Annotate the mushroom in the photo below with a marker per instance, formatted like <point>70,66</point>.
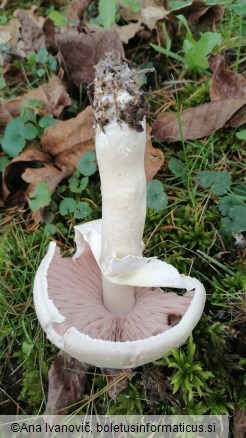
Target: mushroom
<point>105,306</point>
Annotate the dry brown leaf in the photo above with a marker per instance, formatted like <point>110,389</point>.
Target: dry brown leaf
<point>53,96</point>
<point>128,31</point>
<point>48,174</point>
<point>31,30</point>
<point>11,177</point>
<point>76,9</point>
<point>239,423</point>
<point>196,122</point>
<point>73,132</point>
<point>71,157</point>
<point>225,83</point>
<point>198,13</point>
<point>67,379</point>
<point>13,75</point>
<point>80,53</point>
<point>153,158</point>
<point>121,379</point>
<point>150,12</point>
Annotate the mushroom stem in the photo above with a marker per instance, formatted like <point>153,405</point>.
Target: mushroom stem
<point>120,147</point>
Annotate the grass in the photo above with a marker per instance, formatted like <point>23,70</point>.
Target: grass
<point>187,234</point>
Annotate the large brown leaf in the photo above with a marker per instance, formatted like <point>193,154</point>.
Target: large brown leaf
<point>76,9</point>
<point>198,13</point>
<point>70,133</point>
<point>31,30</point>
<point>225,83</point>
<point>11,176</point>
<point>53,96</point>
<point>67,378</point>
<point>48,174</point>
<point>80,53</point>
<point>197,122</point>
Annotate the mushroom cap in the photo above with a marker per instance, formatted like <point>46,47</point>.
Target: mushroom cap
<point>69,305</point>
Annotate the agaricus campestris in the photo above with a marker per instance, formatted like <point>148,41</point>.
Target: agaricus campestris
<point>105,306</point>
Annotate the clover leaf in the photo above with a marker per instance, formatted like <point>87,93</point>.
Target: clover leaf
<point>156,196</point>
<point>217,182</point>
<point>16,134</point>
<point>82,210</point>
<point>40,196</point>
<point>68,205</point>
<point>87,164</point>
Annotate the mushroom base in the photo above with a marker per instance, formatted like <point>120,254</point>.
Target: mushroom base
<point>79,299</point>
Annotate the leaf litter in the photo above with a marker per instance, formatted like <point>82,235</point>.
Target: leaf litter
<point>226,108</point>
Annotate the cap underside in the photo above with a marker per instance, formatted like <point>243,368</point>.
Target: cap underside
<point>75,286</point>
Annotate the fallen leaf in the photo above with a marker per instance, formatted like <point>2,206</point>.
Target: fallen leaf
<point>67,379</point>
<point>198,13</point>
<point>47,174</point>
<point>11,177</point>
<point>70,133</point>
<point>80,53</point>
<point>153,158</point>
<point>53,96</point>
<point>128,31</point>
<point>239,423</point>
<point>117,380</point>
<point>13,75</point>
<point>196,122</point>
<point>31,30</point>
<point>225,83</point>
<point>76,9</point>
<point>149,13</point>
<point>71,157</point>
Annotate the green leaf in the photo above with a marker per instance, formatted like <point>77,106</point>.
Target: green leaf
<point>67,205</point>
<point>241,135</point>
<point>218,182</point>
<point>196,52</point>
<point>177,4</point>
<point>134,5</point>
<point>47,121</point>
<point>29,131</point>
<point>4,161</point>
<point>107,13</point>
<point>58,18</point>
<point>40,196</point>
<point>236,220</point>
<point>176,167</point>
<point>168,53</point>
<point>77,186</point>
<point>239,8</point>
<point>226,203</point>
<point>83,210</point>
<point>87,164</point>
<point>49,229</point>
<point>156,196</point>
<point>13,141</point>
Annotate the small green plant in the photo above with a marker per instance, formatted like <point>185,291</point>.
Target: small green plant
<point>195,52</point>
<point>217,182</point>
<point>16,134</point>
<point>189,378</point>
<point>232,206</point>
<point>41,63</point>
<point>156,196</point>
<point>25,127</point>
<point>107,13</point>
<point>40,197</point>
